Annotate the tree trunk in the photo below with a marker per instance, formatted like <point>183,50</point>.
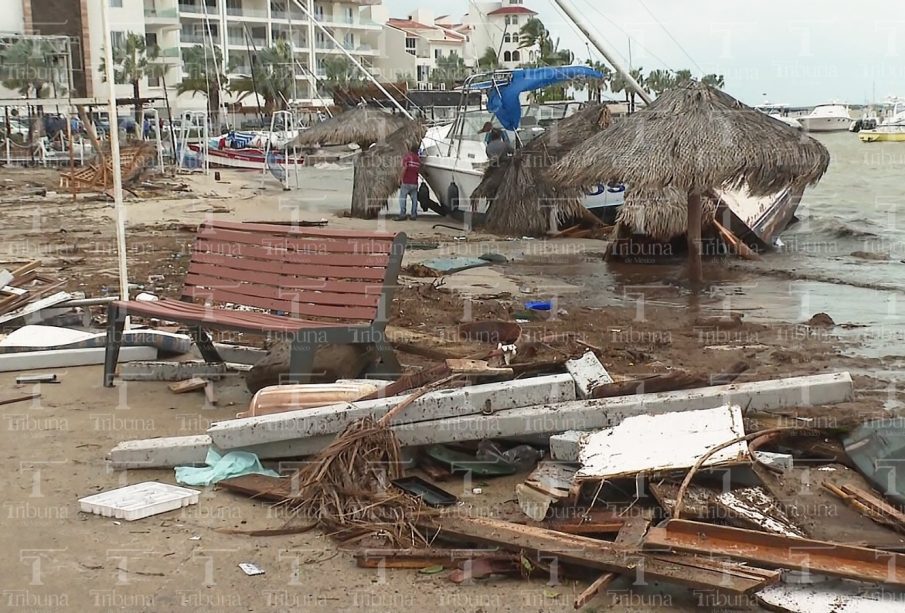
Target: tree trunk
<point>136,93</point>
<point>695,269</point>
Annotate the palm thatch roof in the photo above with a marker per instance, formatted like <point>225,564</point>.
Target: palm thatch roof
<point>524,200</point>
<point>660,214</point>
<point>360,125</point>
<point>695,137</point>
<point>378,171</point>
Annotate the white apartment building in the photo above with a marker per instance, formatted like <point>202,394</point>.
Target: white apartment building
<point>496,25</point>
<point>236,27</point>
<point>428,40</point>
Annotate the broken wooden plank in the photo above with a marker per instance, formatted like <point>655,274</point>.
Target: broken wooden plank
<point>60,358</point>
<point>34,307</point>
<point>592,590</point>
<point>822,557</point>
<point>592,553</point>
<point>757,509</point>
<point>818,513</point>
<point>588,373</point>
<point>834,596</point>
<point>587,521</point>
<point>635,526</point>
<point>649,444</point>
<point>476,368</point>
<point>533,503</point>
<point>189,385</point>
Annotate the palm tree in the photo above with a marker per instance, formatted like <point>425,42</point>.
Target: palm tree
<point>24,69</point>
<point>683,76</point>
<point>659,81</point>
<point>339,72</point>
<point>638,75</point>
<point>450,70</point>
<point>132,62</point>
<point>714,80</point>
<point>203,67</point>
<point>534,32</point>
<point>490,60</point>
<point>273,69</point>
<point>598,86</point>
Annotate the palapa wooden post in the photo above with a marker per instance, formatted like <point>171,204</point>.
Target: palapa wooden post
<point>695,267</point>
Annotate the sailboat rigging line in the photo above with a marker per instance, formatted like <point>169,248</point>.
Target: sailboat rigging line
<point>210,36</point>
<point>251,61</point>
<point>316,80</point>
<point>351,58</point>
<point>616,25</point>
<point>671,37</point>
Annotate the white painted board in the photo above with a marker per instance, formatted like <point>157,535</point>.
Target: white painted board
<point>60,358</point>
<point>656,443</point>
<point>138,501</point>
<point>831,596</point>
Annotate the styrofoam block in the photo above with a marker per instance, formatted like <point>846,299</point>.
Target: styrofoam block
<point>140,500</point>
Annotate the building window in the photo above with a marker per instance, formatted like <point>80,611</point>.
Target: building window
<point>350,15</point>
<point>116,4</point>
<point>321,40</point>
<point>516,56</point>
<point>437,54</point>
<point>507,57</point>
<point>515,20</point>
<point>349,41</point>
<point>508,20</point>
<point>319,12</point>
<point>507,38</point>
<point>117,39</point>
<point>410,45</point>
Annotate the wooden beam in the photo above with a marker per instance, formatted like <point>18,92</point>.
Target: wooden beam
<point>822,557</point>
<point>601,555</point>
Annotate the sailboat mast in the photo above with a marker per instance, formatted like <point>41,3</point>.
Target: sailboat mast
<point>570,12</point>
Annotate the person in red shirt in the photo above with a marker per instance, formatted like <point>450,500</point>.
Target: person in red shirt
<point>411,167</point>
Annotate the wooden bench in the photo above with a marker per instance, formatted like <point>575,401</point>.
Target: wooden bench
<point>308,286</point>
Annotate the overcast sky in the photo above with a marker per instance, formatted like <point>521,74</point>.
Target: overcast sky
<point>798,52</point>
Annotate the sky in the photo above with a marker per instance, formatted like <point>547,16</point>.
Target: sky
<point>796,52</point>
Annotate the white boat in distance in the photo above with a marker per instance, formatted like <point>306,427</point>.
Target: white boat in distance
<point>826,118</point>
<point>779,112</point>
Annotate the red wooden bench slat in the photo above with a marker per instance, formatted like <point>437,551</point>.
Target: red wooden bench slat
<point>300,270</point>
<point>289,295</point>
<point>286,282</point>
<point>313,245</point>
<point>292,308</point>
<point>214,318</point>
<point>296,231</point>
<point>230,249</point>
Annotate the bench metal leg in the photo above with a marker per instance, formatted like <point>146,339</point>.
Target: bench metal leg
<point>388,366</point>
<point>206,345</point>
<point>116,324</point>
<point>301,360</point>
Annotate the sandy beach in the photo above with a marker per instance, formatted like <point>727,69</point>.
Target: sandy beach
<point>642,319</point>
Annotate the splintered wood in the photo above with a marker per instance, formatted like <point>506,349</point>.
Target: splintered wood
<point>27,287</point>
<point>133,161</point>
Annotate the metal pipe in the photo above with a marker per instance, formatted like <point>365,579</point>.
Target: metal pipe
<point>570,12</point>
<point>354,61</point>
<point>114,154</point>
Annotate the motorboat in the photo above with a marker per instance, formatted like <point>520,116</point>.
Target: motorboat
<point>890,130</point>
<point>454,161</point>
<point>827,118</point>
<point>779,112</point>
<point>454,157</point>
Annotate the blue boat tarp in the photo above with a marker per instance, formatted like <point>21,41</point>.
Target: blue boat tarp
<point>504,101</point>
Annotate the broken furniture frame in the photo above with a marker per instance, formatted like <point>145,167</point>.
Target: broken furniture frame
<point>314,286</point>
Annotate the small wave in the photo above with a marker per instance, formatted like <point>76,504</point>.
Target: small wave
<point>836,227</point>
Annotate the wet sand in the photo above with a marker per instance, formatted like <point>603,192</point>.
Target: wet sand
<point>642,318</point>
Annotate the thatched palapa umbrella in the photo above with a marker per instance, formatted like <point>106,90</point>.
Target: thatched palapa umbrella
<point>360,125</point>
<point>378,171</point>
<point>523,198</point>
<point>695,138</point>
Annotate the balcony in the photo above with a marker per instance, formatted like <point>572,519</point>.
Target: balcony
<point>241,41</point>
<point>170,55</point>
<point>156,14</point>
<point>196,38</point>
<point>245,12</point>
